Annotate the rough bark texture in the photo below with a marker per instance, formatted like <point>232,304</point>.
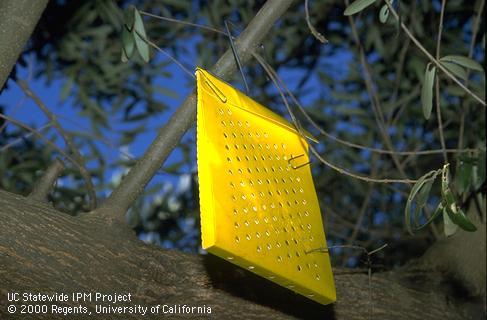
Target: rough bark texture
<point>18,19</point>
<point>43,250</point>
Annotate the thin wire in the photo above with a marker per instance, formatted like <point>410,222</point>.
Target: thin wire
<point>184,22</point>
<point>299,129</point>
<point>303,111</point>
<point>176,61</point>
<point>235,55</point>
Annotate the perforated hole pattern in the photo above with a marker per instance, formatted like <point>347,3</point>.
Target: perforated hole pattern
<point>257,211</point>
<point>269,207</point>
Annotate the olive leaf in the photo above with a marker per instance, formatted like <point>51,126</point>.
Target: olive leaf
<point>427,90</point>
<point>357,6</point>
<point>463,176</point>
<point>454,68</point>
<point>478,171</point>
<point>140,37</point>
<point>464,62</point>
<point>384,14</point>
<point>448,226</point>
<point>456,214</point>
<point>129,17</point>
<point>419,194</point>
<point>128,44</point>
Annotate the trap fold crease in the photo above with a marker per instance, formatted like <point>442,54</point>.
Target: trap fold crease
<point>258,205</point>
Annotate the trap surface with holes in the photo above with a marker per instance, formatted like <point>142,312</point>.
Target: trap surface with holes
<point>258,204</point>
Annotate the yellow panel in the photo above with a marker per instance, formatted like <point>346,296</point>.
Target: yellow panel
<point>257,211</point>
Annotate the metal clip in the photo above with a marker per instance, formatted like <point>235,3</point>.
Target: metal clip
<point>289,161</point>
<point>320,249</point>
<point>215,89</point>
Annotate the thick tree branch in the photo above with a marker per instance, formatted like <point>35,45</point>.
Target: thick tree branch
<point>43,250</point>
<point>44,185</point>
<point>169,136</point>
<point>18,19</point>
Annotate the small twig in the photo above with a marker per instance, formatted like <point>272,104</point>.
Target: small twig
<point>376,250</point>
<point>313,30</point>
<point>437,85</point>
<point>43,187</point>
<point>25,136</point>
<point>400,66</point>
<point>105,141</point>
<point>312,122</point>
<point>273,78</point>
<point>39,135</point>
<point>363,207</point>
<point>354,145</point>
<point>464,110</point>
<point>307,116</point>
<point>374,97</point>
<point>357,176</point>
<point>404,102</point>
<point>431,58</point>
<point>79,163</point>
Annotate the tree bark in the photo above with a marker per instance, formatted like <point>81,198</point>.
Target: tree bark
<point>18,19</point>
<point>45,251</point>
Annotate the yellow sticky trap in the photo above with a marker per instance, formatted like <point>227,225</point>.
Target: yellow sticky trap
<point>258,204</point>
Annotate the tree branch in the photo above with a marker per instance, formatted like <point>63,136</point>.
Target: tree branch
<point>18,19</point>
<point>311,28</point>
<point>437,85</point>
<point>44,185</point>
<point>36,259</point>
<point>80,162</point>
<point>171,133</point>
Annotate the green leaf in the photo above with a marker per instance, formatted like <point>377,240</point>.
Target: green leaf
<point>357,6</point>
<point>128,42</point>
<point>464,62</point>
<point>427,91</point>
<point>166,92</point>
<point>129,17</point>
<point>123,57</point>
<point>384,14</point>
<point>140,36</point>
<point>422,198</point>
<point>66,89</point>
<point>459,218</point>
<point>454,68</point>
<point>420,190</point>
<point>454,90</point>
<point>448,226</point>
<point>463,176</point>
<point>478,172</point>
<point>448,200</point>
